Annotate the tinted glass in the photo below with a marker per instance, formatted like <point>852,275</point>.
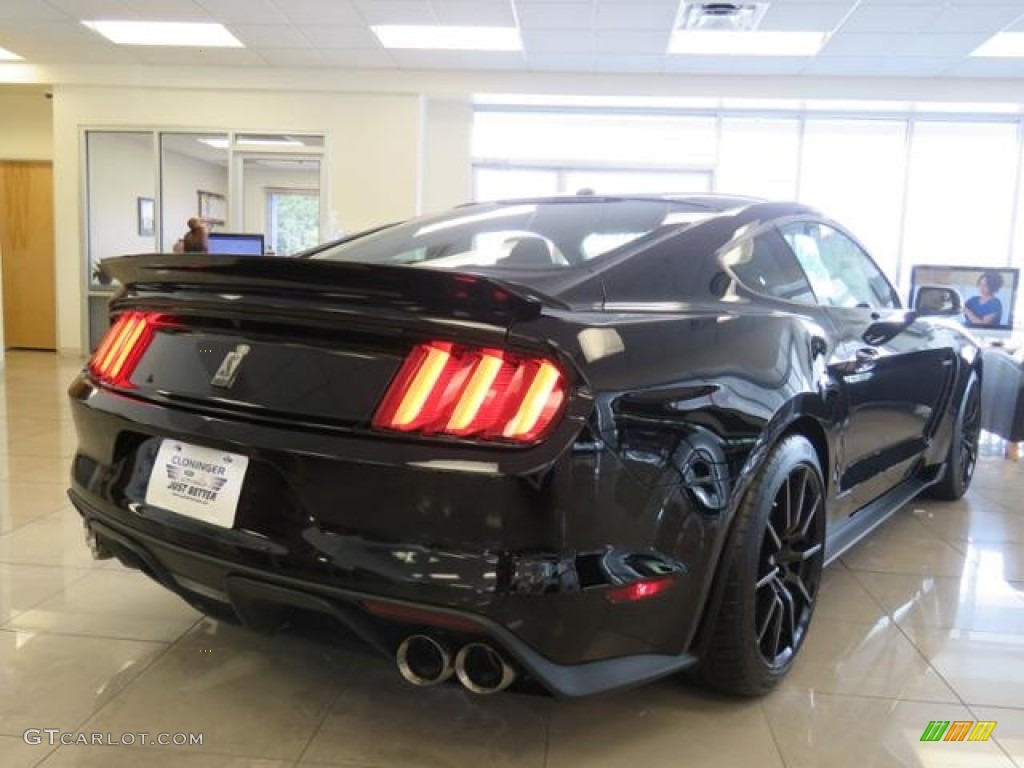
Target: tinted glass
<point>840,272</point>
<point>521,235</point>
<point>766,265</point>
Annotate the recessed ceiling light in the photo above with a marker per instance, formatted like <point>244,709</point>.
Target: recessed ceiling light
<point>438,38</point>
<point>748,43</point>
<point>177,33</point>
<point>217,142</point>
<point>1007,45</point>
<point>6,55</point>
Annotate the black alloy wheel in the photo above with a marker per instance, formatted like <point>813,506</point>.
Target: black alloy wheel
<point>770,575</point>
<point>962,457</point>
<point>789,567</point>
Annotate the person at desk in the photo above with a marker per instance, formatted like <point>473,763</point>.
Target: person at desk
<point>196,240</point>
<point>985,310</point>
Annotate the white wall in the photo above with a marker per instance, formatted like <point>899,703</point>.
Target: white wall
<point>115,184</point>
<point>26,125</point>
<point>446,177</point>
<point>372,153</point>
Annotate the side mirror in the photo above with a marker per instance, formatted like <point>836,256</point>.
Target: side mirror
<point>938,300</point>
<point>882,331</point>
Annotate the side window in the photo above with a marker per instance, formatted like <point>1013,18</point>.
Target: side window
<point>766,265</point>
<point>841,274</point>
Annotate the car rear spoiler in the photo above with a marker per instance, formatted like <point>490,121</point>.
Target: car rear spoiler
<point>414,289</point>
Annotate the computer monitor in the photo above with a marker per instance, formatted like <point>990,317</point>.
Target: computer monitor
<point>235,243</point>
<point>991,311</point>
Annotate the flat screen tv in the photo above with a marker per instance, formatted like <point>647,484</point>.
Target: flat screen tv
<point>235,243</point>
<point>989,293</point>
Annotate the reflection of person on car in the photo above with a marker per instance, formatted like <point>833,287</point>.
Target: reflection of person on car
<point>985,309</point>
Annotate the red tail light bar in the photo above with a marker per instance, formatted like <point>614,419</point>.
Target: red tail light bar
<point>121,349</point>
<point>488,394</point>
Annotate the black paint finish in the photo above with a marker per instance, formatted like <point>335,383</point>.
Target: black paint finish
<point>681,378</point>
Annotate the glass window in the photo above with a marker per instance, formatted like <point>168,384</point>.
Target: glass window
<point>518,235</point>
<point>191,165</point>
<point>960,197</point>
<point>853,171</point>
<point>841,274</point>
<point>765,265</point>
<point>759,157</point>
<point>512,183</point>
<point>294,220</point>
<point>566,137</point>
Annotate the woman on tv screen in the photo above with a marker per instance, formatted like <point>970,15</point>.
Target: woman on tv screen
<point>985,310</point>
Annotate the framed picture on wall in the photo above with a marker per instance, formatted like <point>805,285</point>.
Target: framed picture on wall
<point>146,214</point>
<point>213,207</point>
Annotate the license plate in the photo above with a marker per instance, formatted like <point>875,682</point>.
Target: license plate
<point>201,483</point>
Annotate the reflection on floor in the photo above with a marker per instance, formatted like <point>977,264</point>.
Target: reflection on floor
<point>923,622</point>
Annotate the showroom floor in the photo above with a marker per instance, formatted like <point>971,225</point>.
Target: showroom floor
<point>924,621</point>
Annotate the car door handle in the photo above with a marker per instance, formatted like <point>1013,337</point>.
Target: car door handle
<point>866,356</point>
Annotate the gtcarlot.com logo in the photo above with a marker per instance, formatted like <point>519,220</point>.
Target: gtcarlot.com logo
<point>958,730</point>
<point>55,736</point>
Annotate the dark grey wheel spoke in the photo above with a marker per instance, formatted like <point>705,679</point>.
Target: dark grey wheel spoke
<point>791,557</point>
<point>767,579</point>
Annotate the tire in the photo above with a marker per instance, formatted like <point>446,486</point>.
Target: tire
<point>772,571</point>
<point>962,456</point>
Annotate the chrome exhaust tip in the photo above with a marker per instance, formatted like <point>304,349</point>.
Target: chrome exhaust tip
<point>482,669</point>
<point>423,661</point>
<point>96,547</point>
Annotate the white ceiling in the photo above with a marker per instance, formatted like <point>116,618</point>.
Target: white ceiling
<point>889,38</point>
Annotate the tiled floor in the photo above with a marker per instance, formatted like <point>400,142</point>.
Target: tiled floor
<point>924,621</point>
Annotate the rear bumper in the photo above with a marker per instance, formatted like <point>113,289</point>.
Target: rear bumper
<point>258,599</point>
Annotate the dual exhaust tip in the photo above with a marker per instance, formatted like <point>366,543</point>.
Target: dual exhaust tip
<point>480,667</point>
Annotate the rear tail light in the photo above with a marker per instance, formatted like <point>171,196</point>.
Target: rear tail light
<point>121,349</point>
<point>489,394</point>
<point>639,590</point>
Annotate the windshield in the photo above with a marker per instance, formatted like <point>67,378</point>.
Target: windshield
<point>520,235</point>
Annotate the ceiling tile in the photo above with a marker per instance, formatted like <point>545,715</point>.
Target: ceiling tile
<point>976,18</point>
<point>988,68</point>
<point>630,63</point>
<point>327,37</point>
<point>953,46</point>
<point>636,15</point>
<point>319,12</point>
<point>90,9</point>
<point>292,57</point>
<point>358,58</point>
<point>269,36</point>
<point>240,11</point>
<point>393,12</point>
<point>735,65</point>
<point>194,57</point>
<point>557,41</point>
<point>165,10</point>
<point>560,62</point>
<point>475,13</point>
<point>633,42</point>
<point>555,15</point>
<point>879,66</point>
<point>810,17</point>
<point>31,11</point>
<point>889,19</point>
<point>494,60</point>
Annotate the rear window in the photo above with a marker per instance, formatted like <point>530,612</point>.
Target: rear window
<point>521,235</point>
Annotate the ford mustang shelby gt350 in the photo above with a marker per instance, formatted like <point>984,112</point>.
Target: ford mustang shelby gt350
<point>584,441</point>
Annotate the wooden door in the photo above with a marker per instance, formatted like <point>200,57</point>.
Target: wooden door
<point>27,254</point>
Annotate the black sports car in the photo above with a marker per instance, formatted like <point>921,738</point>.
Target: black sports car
<point>586,441</point>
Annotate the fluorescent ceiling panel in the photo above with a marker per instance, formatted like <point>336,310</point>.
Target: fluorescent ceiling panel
<point>753,43</point>
<point>169,33</point>
<point>1005,45</point>
<point>440,38</point>
<point>6,55</point>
